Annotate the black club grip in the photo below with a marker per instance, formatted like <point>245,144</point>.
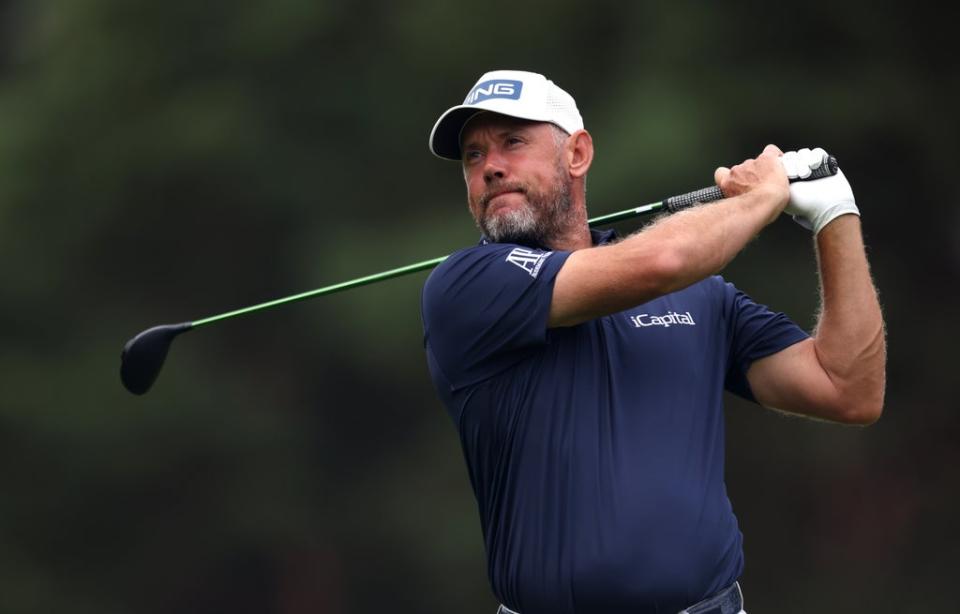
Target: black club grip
<point>708,195</point>
<point>828,168</point>
<point>703,195</point>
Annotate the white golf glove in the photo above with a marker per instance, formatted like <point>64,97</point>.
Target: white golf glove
<point>814,204</point>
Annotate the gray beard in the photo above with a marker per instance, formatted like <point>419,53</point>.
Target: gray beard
<point>544,218</point>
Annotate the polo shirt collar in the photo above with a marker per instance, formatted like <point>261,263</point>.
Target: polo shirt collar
<point>599,237</point>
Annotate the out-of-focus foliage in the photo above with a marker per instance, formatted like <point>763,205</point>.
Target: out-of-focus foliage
<point>166,161</point>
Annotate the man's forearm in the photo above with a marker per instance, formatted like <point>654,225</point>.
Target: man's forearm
<point>702,241</point>
<point>850,338</point>
<point>674,253</point>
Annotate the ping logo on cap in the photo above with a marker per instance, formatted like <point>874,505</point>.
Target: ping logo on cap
<point>497,88</point>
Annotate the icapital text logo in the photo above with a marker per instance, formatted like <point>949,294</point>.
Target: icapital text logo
<point>667,320</point>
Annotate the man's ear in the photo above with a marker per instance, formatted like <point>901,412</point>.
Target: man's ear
<point>579,153</point>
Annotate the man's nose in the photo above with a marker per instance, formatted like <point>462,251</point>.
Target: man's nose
<point>494,168</point>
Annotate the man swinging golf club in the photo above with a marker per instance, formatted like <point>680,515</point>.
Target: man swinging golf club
<point>585,373</point>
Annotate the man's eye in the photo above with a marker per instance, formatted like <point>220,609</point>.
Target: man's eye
<point>514,140</point>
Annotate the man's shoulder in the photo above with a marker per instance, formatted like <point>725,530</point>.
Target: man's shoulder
<point>717,284</point>
<point>714,285</point>
<point>489,250</point>
<point>473,252</point>
<point>712,293</point>
<point>463,261</point>
<point>490,280</point>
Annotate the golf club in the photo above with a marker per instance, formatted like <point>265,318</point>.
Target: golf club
<point>143,355</point>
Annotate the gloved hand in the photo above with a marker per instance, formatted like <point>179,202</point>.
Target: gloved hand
<point>814,204</point>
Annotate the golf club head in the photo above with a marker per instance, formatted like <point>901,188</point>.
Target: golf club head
<point>143,356</point>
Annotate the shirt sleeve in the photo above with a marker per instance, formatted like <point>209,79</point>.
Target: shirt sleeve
<point>755,332</point>
<point>485,308</point>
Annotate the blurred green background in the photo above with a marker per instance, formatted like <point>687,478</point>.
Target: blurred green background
<point>167,161</point>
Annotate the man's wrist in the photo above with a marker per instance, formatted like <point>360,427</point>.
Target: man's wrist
<point>838,227</point>
<point>773,198</point>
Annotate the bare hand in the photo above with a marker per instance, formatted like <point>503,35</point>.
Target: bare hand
<point>765,172</point>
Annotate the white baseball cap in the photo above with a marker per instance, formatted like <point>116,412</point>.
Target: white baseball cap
<point>517,93</point>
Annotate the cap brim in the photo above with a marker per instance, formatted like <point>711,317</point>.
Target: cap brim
<point>445,136</point>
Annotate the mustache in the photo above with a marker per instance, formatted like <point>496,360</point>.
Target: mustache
<point>500,188</point>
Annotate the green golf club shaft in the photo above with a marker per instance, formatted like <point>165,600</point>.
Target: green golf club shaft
<point>672,204</point>
<point>404,270</point>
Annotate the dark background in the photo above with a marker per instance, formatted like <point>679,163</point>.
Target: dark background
<point>167,161</point>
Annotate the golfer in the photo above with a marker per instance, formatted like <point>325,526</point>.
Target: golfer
<point>585,373</point>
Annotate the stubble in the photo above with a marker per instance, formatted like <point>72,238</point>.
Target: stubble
<point>545,216</point>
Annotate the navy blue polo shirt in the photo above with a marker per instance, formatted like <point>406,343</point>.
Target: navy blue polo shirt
<point>596,451</point>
